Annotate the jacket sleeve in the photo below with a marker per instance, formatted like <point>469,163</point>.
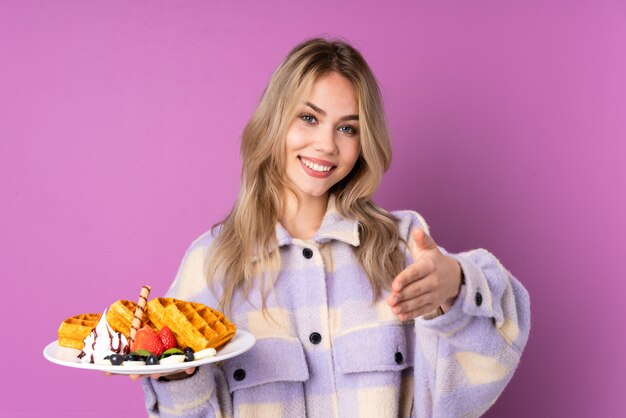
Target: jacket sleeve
<point>206,393</point>
<point>469,354</point>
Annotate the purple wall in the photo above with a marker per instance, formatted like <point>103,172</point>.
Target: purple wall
<point>119,127</point>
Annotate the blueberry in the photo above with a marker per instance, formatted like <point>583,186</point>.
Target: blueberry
<point>152,360</point>
<point>189,354</point>
<point>132,357</point>
<point>116,359</point>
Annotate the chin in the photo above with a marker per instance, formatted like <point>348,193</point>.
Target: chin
<point>313,192</point>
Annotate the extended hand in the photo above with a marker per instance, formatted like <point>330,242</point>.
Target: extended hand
<point>433,280</point>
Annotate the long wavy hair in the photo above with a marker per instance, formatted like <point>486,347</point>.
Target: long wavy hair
<point>245,252</point>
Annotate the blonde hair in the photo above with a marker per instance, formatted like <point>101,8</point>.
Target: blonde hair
<point>246,249</point>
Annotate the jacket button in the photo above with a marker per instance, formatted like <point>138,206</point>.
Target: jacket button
<point>399,358</point>
<point>315,338</point>
<point>478,299</point>
<point>307,253</point>
<point>239,375</point>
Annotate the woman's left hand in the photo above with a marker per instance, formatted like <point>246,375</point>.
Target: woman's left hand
<point>432,281</point>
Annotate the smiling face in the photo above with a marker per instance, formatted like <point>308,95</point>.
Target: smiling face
<point>322,143</point>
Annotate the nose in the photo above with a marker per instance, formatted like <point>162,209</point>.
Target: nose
<point>324,141</point>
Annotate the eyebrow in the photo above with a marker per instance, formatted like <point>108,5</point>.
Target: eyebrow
<point>318,110</point>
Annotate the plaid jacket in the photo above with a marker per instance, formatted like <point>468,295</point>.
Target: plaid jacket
<point>327,350</point>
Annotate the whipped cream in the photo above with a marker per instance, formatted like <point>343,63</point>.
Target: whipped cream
<point>101,342</point>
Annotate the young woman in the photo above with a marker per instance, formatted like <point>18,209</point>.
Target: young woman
<point>357,312</point>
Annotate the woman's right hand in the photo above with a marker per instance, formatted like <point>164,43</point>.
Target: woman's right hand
<point>170,376</point>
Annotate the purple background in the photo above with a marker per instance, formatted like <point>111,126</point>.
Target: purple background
<point>119,133</point>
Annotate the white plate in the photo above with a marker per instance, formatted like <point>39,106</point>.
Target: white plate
<point>241,342</point>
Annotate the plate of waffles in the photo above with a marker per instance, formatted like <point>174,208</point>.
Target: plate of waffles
<point>163,335</point>
<point>69,357</point>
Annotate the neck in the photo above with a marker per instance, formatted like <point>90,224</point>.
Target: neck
<point>302,221</point>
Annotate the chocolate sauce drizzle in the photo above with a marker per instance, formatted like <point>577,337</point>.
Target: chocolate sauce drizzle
<point>116,350</point>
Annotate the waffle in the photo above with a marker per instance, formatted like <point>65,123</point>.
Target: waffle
<point>120,317</point>
<point>194,325</point>
<point>74,330</point>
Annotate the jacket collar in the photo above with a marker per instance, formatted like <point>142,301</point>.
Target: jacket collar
<point>334,227</point>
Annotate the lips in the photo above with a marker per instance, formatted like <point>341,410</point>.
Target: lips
<point>316,167</point>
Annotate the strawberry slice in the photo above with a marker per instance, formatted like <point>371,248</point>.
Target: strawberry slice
<point>167,338</point>
<point>147,339</point>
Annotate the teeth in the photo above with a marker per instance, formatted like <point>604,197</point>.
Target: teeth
<point>316,167</point>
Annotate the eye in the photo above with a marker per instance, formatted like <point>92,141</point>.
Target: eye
<point>308,118</point>
<point>348,129</point>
